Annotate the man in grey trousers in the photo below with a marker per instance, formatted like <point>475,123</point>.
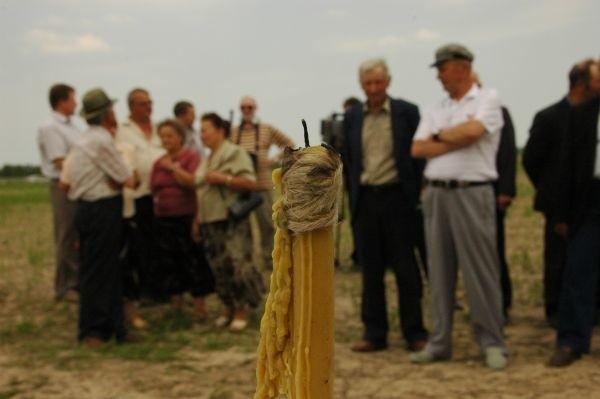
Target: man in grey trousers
<point>55,138</point>
<point>459,137</point>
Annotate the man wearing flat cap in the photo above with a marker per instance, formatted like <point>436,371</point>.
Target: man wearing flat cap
<point>459,137</point>
<point>96,172</point>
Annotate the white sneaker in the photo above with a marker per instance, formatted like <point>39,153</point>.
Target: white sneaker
<point>422,357</point>
<point>238,325</point>
<point>495,358</point>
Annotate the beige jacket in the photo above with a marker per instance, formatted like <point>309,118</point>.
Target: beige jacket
<point>213,200</point>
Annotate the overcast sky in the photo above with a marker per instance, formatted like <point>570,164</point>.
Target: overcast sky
<point>298,58</point>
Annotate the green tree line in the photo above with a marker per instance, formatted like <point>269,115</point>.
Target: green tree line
<point>19,170</point>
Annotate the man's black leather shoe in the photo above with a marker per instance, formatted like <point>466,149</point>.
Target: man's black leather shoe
<point>563,356</point>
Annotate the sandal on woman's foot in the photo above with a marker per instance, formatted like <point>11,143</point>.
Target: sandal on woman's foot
<point>222,321</point>
<point>238,325</point>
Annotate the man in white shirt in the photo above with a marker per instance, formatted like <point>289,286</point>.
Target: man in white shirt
<point>96,174</point>
<point>140,132</point>
<point>55,138</point>
<point>459,137</point>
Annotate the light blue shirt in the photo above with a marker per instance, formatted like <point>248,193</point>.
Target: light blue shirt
<point>55,138</point>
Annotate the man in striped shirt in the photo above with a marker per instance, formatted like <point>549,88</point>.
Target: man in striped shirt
<point>257,138</point>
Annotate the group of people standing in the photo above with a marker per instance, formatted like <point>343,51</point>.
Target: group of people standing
<point>142,194</point>
<point>452,169</point>
<point>562,160</point>
<point>390,152</point>
<point>141,209</point>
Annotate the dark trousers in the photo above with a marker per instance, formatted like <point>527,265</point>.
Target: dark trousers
<point>183,264</point>
<point>578,295</point>
<point>101,302</point>
<point>128,259</point>
<point>385,225</point>
<point>142,251</point>
<point>555,253</point>
<point>505,282</point>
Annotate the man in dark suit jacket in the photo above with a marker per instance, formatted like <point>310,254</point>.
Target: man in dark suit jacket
<point>540,160</point>
<point>505,190</point>
<point>578,217</point>
<point>384,184</point>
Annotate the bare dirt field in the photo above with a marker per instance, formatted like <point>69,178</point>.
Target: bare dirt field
<point>39,357</point>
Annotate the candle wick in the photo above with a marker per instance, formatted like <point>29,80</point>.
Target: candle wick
<point>306,143</point>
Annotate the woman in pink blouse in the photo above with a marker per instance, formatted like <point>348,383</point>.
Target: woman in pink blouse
<point>174,195</point>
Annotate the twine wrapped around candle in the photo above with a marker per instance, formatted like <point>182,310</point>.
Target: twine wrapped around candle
<point>311,181</point>
<point>303,215</point>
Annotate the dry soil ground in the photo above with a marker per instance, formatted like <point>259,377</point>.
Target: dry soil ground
<point>39,357</point>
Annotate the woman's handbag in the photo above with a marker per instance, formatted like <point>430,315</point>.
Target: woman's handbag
<point>246,203</point>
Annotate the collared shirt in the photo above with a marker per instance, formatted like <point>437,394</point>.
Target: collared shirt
<point>477,161</point>
<point>55,138</point>
<point>91,164</point>
<point>213,200</point>
<point>147,151</point>
<point>267,136</point>
<point>193,142</point>
<point>378,164</point>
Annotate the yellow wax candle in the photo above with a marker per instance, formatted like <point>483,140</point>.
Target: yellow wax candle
<point>312,316</point>
<point>295,353</point>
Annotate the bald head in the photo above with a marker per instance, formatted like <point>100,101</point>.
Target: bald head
<point>248,108</point>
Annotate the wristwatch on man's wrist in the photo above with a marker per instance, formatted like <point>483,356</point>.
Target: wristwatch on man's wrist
<point>436,136</point>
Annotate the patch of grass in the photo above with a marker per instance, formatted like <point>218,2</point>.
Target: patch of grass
<point>27,329</point>
<point>19,192</point>
<point>62,356</point>
<point>172,322</point>
<point>20,331</point>
<point>215,340</point>
<point>150,351</point>
<point>522,258</point>
<point>35,256</point>
<point>536,291</point>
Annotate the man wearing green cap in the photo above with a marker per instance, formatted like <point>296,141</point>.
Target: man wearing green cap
<point>96,173</point>
<point>459,137</point>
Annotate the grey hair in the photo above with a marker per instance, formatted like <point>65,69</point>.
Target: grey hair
<point>371,65</point>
